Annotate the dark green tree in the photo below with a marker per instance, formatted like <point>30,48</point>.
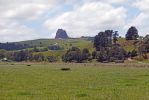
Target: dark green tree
<point>102,56</point>
<point>142,49</point>
<point>20,55</point>
<point>86,54</point>
<point>39,57</point>
<point>132,33</point>
<point>103,40</point>
<point>51,59</point>
<point>115,37</point>
<point>94,54</point>
<point>72,55</point>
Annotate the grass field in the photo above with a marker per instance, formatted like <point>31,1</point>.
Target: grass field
<point>82,82</point>
<point>66,43</point>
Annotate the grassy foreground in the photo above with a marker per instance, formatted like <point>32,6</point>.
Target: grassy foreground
<point>83,82</point>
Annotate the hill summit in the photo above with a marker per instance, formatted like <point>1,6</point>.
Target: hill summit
<point>61,34</point>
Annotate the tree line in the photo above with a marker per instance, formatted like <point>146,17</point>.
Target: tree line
<point>107,48</point>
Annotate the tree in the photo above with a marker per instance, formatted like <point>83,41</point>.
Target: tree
<point>143,51</point>
<point>111,54</point>
<point>51,59</point>
<point>103,40</point>
<point>102,56</point>
<point>146,42</point>
<point>39,57</point>
<point>116,53</point>
<point>105,51</point>
<point>72,55</point>
<point>115,36</point>
<point>132,33</point>
<point>94,54</point>
<point>20,56</point>
<point>86,54</point>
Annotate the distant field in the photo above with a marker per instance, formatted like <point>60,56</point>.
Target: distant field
<point>66,43</point>
<point>83,82</point>
<point>78,42</point>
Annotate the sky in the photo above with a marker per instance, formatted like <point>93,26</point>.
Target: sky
<point>33,19</point>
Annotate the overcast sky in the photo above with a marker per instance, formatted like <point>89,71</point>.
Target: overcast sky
<point>31,19</point>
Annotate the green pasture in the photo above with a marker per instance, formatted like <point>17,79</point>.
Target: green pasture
<point>22,81</point>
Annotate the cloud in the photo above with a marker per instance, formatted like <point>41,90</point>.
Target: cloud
<point>142,5</point>
<point>141,20</point>
<point>83,17</point>
<point>13,15</point>
<point>108,1</point>
<point>15,32</point>
<point>88,19</point>
<point>25,9</point>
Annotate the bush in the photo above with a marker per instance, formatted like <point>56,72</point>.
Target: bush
<point>51,59</point>
<point>139,58</point>
<point>94,54</point>
<point>65,69</point>
<point>86,56</point>
<point>134,53</point>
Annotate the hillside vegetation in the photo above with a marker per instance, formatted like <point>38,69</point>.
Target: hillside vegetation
<point>68,43</point>
<point>65,44</point>
<point>106,46</point>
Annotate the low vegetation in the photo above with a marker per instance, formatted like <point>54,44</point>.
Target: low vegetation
<point>83,82</point>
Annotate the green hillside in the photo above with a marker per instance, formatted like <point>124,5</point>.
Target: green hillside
<point>63,43</point>
<point>77,42</point>
<point>127,45</point>
<point>66,43</point>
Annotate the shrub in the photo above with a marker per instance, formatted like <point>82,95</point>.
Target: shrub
<point>65,69</point>
<point>51,59</point>
<point>134,53</point>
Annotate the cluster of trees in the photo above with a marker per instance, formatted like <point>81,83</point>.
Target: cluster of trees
<point>143,47</point>
<point>76,55</point>
<point>113,54</point>
<point>18,46</point>
<point>141,44</point>
<point>26,55</point>
<point>107,49</point>
<point>13,46</point>
<point>110,50</point>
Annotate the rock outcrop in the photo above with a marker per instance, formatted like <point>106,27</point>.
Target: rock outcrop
<point>61,34</point>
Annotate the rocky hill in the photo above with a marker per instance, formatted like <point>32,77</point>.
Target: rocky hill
<point>61,34</point>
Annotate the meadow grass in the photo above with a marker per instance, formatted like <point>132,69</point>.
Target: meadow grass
<point>82,82</point>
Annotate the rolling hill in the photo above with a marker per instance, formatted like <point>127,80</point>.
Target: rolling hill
<point>65,44</point>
